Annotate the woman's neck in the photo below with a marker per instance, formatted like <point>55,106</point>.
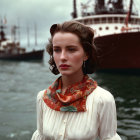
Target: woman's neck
<point>70,80</point>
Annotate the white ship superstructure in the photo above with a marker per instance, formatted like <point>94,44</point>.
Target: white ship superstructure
<point>110,24</point>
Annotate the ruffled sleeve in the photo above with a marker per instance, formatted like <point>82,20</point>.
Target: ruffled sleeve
<point>38,134</point>
<point>107,117</point>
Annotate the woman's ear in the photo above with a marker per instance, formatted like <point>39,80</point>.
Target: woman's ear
<point>85,57</point>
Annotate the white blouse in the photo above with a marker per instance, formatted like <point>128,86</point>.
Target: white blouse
<point>99,121</point>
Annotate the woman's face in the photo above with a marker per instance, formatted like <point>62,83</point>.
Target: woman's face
<point>68,53</point>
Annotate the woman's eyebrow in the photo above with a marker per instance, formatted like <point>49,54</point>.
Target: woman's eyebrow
<point>56,46</point>
<point>69,46</point>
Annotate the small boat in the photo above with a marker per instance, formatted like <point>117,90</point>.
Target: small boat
<point>11,50</point>
<point>117,33</point>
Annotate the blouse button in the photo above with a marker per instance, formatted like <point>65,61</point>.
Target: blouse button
<point>64,121</point>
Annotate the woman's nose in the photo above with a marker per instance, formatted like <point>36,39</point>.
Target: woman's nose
<point>63,55</point>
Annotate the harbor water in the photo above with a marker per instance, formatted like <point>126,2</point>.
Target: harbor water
<point>21,81</point>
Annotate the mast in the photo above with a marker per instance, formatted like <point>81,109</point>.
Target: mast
<point>18,30</point>
<point>74,13</point>
<point>14,33</point>
<point>35,28</point>
<point>128,17</point>
<point>28,37</point>
<point>2,34</point>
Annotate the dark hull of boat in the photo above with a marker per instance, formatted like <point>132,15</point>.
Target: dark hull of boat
<point>28,56</point>
<point>119,51</point>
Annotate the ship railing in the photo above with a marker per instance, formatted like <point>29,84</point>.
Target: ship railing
<point>89,20</point>
<point>130,29</point>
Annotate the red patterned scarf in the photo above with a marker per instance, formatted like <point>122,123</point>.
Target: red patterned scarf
<point>74,99</point>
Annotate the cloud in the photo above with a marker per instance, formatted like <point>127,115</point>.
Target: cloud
<point>37,10</point>
<point>42,12</point>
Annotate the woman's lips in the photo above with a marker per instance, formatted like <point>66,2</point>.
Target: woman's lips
<point>64,66</point>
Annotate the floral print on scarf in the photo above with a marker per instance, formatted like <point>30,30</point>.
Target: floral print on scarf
<point>74,98</point>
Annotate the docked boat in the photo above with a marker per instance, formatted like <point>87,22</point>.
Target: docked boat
<point>117,33</point>
<point>11,50</point>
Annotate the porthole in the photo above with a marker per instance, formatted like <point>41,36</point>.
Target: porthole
<point>100,28</point>
<point>107,28</point>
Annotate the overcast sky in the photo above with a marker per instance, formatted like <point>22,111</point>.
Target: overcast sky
<point>42,12</point>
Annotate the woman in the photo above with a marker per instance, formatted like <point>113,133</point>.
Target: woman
<point>74,107</point>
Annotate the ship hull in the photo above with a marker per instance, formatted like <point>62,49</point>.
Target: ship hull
<point>119,51</point>
<point>28,56</point>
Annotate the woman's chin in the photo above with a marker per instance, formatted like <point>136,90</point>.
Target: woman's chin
<point>66,73</point>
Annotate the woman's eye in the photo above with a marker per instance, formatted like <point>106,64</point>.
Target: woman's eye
<point>56,50</point>
<point>72,49</point>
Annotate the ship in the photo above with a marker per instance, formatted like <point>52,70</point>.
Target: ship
<point>10,49</point>
<point>117,33</point>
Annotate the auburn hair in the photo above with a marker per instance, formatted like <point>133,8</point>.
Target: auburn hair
<point>85,35</point>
